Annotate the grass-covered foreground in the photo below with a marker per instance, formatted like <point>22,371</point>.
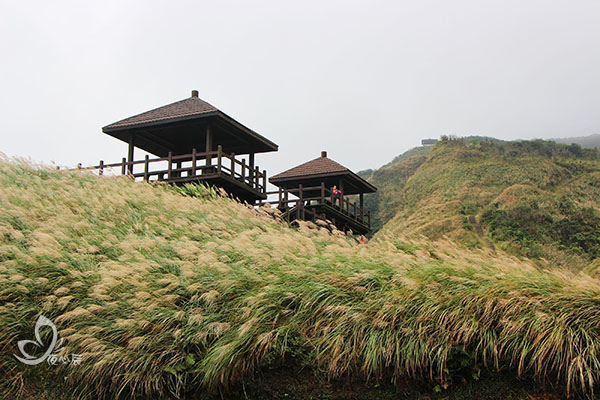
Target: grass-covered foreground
<point>169,293</point>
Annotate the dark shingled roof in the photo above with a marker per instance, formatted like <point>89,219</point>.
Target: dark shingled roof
<point>323,169</point>
<point>318,166</point>
<point>192,106</point>
<point>182,126</point>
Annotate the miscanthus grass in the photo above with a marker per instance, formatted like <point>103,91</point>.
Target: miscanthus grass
<point>168,291</point>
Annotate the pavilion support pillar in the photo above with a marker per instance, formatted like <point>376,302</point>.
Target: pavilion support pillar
<point>341,187</point>
<point>251,169</point>
<point>209,144</point>
<point>362,206</point>
<point>130,154</point>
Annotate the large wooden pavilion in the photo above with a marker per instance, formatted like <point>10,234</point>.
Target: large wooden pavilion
<point>307,192</point>
<point>193,141</point>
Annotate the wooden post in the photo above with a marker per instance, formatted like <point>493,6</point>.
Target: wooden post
<point>146,162</point>
<point>219,158</point>
<point>130,153</point>
<point>252,170</point>
<point>341,195</point>
<point>362,206</point>
<point>300,203</point>
<point>256,175</point>
<point>280,198</point>
<point>194,161</point>
<point>264,181</point>
<point>285,199</point>
<point>322,192</point>
<point>208,145</point>
<point>170,167</point>
<point>124,166</point>
<point>101,172</point>
<point>233,165</point>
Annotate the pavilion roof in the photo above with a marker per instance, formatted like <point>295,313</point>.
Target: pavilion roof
<point>190,107</point>
<point>322,168</point>
<point>181,126</point>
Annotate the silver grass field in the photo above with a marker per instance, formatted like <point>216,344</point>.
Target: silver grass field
<point>165,290</point>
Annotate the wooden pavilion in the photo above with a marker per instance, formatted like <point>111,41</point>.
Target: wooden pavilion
<point>193,141</point>
<point>307,192</point>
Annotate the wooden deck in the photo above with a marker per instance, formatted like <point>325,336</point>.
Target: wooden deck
<point>215,168</point>
<point>310,203</point>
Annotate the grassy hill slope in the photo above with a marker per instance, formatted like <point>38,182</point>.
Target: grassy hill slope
<point>390,181</point>
<point>537,199</point>
<point>182,293</point>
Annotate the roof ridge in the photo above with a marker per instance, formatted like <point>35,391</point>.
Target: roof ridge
<point>319,165</point>
<point>181,108</point>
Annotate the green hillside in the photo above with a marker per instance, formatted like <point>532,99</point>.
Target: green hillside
<point>538,199</point>
<point>390,181</point>
<point>183,293</point>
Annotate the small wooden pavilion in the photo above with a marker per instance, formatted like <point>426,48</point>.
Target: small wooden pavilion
<point>322,188</point>
<point>193,141</point>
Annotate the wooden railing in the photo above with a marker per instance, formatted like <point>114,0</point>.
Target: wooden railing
<point>325,197</point>
<point>188,167</point>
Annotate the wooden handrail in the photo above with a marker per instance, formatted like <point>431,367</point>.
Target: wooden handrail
<point>323,196</point>
<point>252,178</point>
<point>182,157</point>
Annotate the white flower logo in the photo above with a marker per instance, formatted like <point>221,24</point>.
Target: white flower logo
<point>30,360</point>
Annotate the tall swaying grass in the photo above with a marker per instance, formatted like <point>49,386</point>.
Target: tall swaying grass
<point>165,294</point>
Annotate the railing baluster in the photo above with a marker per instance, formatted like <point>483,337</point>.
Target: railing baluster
<point>264,177</point>
<point>123,166</point>
<point>233,165</point>
<point>101,172</point>
<point>244,170</point>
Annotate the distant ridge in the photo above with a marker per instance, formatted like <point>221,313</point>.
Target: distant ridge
<point>587,142</point>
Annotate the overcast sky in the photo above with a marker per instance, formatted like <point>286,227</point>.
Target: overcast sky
<point>365,80</point>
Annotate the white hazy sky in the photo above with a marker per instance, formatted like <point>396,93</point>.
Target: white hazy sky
<point>365,80</point>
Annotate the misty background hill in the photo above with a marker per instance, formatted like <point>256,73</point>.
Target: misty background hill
<point>588,142</point>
